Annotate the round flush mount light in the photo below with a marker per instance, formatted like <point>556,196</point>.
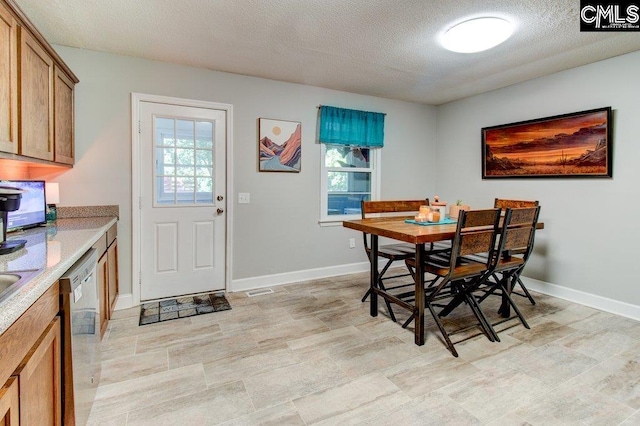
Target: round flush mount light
<point>476,35</point>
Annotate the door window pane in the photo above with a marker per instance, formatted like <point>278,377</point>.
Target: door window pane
<point>185,137</point>
<point>183,174</point>
<point>204,134</point>
<point>165,131</point>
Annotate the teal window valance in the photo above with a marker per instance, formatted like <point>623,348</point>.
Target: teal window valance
<point>341,126</point>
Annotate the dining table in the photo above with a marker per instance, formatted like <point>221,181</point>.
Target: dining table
<point>397,228</point>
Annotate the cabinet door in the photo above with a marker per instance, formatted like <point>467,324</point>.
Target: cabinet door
<point>9,403</point>
<point>103,293</point>
<point>112,253</point>
<point>36,99</point>
<point>39,380</point>
<point>63,117</point>
<point>8,82</point>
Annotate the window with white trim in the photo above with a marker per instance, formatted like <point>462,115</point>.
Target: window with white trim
<point>350,174</point>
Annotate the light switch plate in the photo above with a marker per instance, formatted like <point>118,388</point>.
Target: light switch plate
<point>244,198</point>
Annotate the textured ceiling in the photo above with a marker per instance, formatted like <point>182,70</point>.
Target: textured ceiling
<point>385,48</point>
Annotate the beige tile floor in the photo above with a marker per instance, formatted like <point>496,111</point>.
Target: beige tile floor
<point>310,354</point>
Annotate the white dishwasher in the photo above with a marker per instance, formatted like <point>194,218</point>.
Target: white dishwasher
<point>80,285</point>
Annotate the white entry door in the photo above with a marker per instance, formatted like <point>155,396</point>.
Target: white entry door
<point>183,199</point>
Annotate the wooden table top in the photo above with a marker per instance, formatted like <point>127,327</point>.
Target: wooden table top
<point>398,229</point>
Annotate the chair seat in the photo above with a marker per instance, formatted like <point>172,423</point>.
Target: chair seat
<point>459,272</point>
<point>440,265</point>
<point>509,262</point>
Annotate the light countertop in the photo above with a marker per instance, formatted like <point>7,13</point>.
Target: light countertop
<point>50,250</point>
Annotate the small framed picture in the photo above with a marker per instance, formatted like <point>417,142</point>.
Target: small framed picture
<point>279,145</point>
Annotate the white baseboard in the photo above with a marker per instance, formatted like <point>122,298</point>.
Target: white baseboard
<point>245,284</point>
<point>592,300</point>
<point>124,301</point>
<point>616,307</point>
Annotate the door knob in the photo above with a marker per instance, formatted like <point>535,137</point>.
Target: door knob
<point>219,198</point>
<point>220,211</point>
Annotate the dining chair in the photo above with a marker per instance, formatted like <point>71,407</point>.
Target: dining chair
<point>456,274</point>
<point>515,247</point>
<point>391,252</point>
<point>514,204</point>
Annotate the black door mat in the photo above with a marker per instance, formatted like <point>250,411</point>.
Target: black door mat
<point>182,307</point>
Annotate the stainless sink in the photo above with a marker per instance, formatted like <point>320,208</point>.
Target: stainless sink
<point>7,280</point>
<point>12,280</point>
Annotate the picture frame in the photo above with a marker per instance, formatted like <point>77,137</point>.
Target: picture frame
<point>575,145</point>
<point>279,145</point>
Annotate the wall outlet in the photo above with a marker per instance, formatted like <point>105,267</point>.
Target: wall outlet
<point>352,243</point>
<point>244,198</point>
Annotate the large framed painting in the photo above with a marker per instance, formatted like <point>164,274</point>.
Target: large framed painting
<point>280,145</point>
<point>562,146</point>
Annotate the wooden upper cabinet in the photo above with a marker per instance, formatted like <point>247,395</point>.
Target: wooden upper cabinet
<point>36,100</point>
<point>8,81</point>
<point>63,117</point>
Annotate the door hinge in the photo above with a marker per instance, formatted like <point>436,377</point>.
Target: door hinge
<point>139,127</point>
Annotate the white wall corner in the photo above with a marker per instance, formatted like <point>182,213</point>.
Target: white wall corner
<point>124,301</point>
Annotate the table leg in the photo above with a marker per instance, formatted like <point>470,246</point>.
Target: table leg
<point>505,307</point>
<point>373,280</point>
<point>419,324</point>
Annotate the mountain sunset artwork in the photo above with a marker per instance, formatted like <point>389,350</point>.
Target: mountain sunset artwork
<point>571,145</point>
<point>280,144</point>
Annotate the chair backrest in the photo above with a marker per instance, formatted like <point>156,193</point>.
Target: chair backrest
<point>513,204</point>
<point>391,208</point>
<point>388,209</point>
<point>518,231</point>
<point>476,234</point>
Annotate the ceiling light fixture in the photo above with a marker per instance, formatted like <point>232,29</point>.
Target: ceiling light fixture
<point>476,35</point>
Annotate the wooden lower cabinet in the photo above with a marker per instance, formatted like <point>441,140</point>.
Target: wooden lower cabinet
<point>30,355</point>
<point>103,293</point>
<point>39,380</point>
<point>112,262</point>
<point>10,403</point>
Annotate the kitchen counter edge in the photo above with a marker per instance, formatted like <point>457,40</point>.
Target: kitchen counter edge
<point>75,236</point>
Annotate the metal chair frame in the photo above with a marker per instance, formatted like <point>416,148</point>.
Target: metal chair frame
<point>504,204</point>
<point>516,245</point>
<point>391,252</point>
<point>456,275</point>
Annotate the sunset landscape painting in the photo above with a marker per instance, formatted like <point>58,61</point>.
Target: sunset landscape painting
<point>570,145</point>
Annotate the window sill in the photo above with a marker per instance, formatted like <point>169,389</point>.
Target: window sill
<point>335,222</point>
